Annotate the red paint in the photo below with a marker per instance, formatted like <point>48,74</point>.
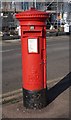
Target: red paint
<point>33,64</point>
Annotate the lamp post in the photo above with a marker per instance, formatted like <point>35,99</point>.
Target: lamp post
<point>14,6</point>
<point>34,3</point>
<point>1,5</point>
<point>57,15</point>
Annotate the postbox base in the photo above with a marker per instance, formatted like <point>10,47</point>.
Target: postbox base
<point>35,99</point>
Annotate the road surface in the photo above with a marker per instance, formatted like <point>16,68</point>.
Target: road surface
<point>57,62</point>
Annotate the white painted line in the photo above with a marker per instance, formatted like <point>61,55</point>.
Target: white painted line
<point>9,50</point>
<point>0,43</point>
<point>10,98</point>
<point>20,90</point>
<point>15,40</point>
<point>55,80</point>
<point>11,93</point>
<point>7,97</point>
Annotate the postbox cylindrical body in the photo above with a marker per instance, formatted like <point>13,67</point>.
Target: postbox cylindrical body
<point>33,42</point>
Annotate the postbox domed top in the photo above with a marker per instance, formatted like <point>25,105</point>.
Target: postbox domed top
<point>31,14</point>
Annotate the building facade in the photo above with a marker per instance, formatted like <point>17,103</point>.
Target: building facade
<point>60,10</point>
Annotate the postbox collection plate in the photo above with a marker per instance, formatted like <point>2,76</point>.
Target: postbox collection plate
<point>32,45</point>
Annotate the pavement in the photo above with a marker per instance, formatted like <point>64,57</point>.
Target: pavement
<point>57,105</point>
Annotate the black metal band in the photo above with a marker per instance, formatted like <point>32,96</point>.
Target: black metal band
<point>35,99</point>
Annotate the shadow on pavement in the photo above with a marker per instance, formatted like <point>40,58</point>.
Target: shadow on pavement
<point>61,86</point>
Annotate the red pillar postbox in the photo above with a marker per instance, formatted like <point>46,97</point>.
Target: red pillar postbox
<point>33,41</point>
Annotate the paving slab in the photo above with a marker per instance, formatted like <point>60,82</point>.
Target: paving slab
<point>58,108</point>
